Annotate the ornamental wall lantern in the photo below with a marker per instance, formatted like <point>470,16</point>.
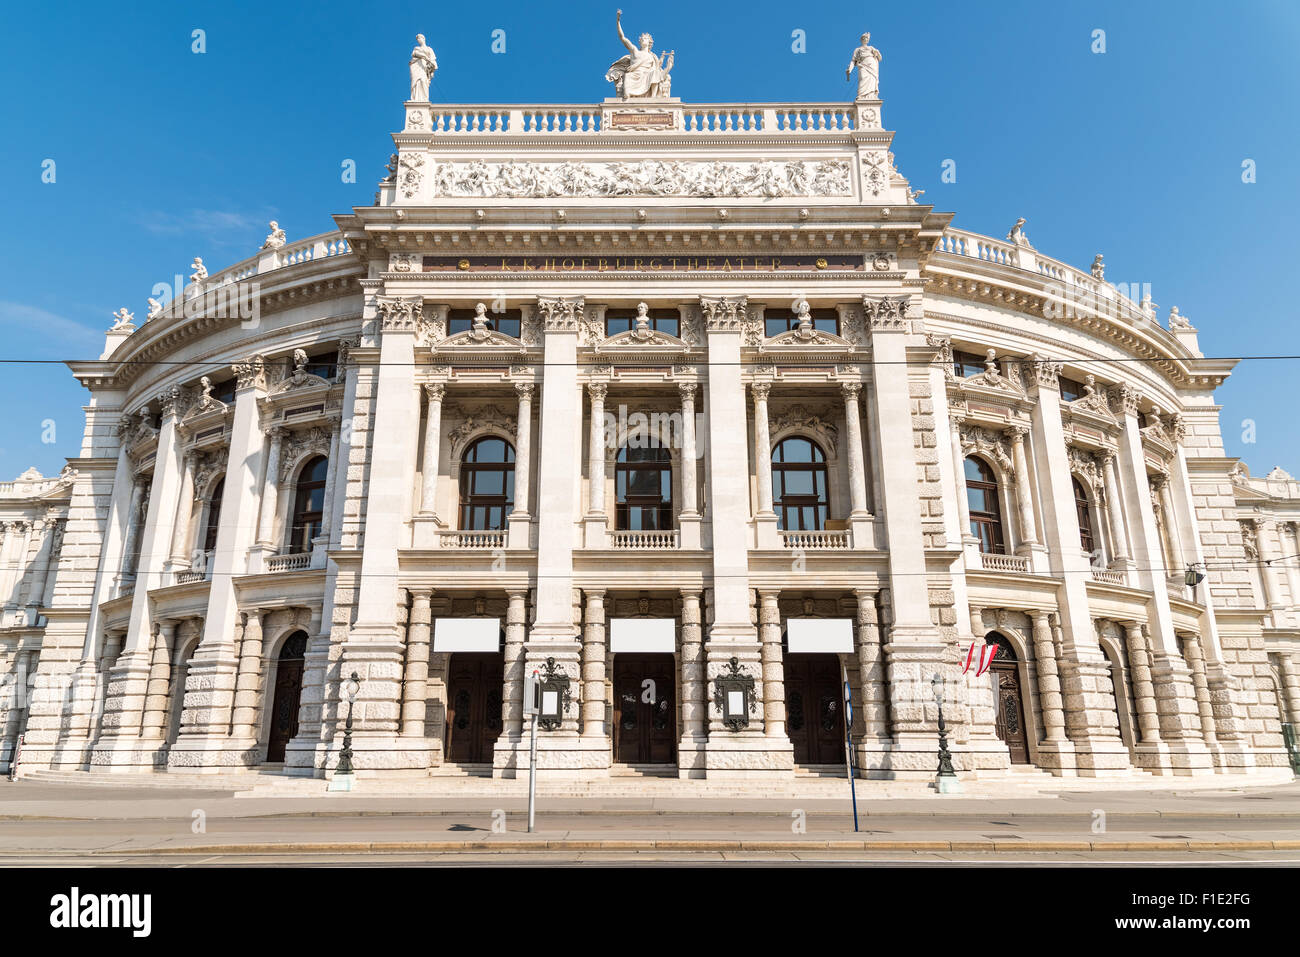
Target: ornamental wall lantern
<point>555,695</point>
<point>733,695</point>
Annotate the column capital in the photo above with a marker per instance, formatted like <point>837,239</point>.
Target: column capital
<point>724,313</point>
<point>251,373</point>
<point>886,313</point>
<point>760,390</point>
<point>435,391</point>
<point>1123,399</point>
<point>1042,373</point>
<point>525,391</point>
<point>400,313</point>
<point>560,313</point>
<point>1016,433</point>
<point>598,391</point>
<point>687,390</point>
<point>851,390</point>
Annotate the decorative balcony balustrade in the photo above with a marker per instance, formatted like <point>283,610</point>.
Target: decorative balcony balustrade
<point>186,578</point>
<point>1079,290</point>
<point>472,539</point>
<point>654,540</point>
<point>1107,577</point>
<point>1003,563</point>
<point>816,540</point>
<point>293,562</point>
<point>585,119</point>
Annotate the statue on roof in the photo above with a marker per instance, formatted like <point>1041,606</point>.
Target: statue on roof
<point>123,321</point>
<point>275,239</point>
<point>423,66</point>
<point>641,73</point>
<point>866,59</point>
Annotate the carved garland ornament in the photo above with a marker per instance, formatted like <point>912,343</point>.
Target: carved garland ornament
<point>644,178</point>
<point>487,417</point>
<point>401,314</point>
<point>302,445</point>
<point>802,419</point>
<point>992,444</point>
<point>887,313</point>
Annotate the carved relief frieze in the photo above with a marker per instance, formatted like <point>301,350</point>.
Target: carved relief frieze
<point>710,178</point>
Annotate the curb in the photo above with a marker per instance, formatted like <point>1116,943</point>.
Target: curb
<point>398,847</point>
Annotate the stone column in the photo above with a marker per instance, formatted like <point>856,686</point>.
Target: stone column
<point>512,717</point>
<point>434,393</point>
<point>1268,573</point>
<point>871,671</point>
<point>181,527</point>
<point>160,672</point>
<point>375,646</point>
<point>1195,655</point>
<point>1161,483</point>
<point>593,665</point>
<point>134,520</point>
<point>596,522</point>
<point>959,476</point>
<point>688,519</point>
<point>1049,681</point>
<point>415,679</point>
<point>203,740</point>
<point>762,447</point>
<point>1292,564</point>
<point>520,520</point>
<point>320,543</point>
<point>248,680</point>
<point>48,530</point>
<point>270,491</point>
<point>1114,506</point>
<point>1291,689</point>
<point>769,634</point>
<point>690,752</point>
<point>1144,694</point>
<point>857,467</point>
<point>1024,494</point>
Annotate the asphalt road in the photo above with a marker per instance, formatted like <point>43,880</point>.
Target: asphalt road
<point>45,824</point>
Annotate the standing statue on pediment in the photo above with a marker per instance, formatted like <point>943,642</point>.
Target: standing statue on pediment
<point>640,73</point>
<point>866,59</point>
<point>423,66</point>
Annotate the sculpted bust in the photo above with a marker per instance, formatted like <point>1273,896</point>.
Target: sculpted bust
<point>866,59</point>
<point>640,73</point>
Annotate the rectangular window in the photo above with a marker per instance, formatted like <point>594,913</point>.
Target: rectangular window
<point>508,322</point>
<point>823,320</point>
<point>966,364</point>
<point>622,319</point>
<point>325,365</point>
<point>1071,389</point>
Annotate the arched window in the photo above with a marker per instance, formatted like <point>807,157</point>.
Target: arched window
<point>214,516</point>
<point>643,485</point>
<point>487,484</point>
<point>308,504</point>
<point>985,509</point>
<point>1084,511</point>
<point>799,485</point>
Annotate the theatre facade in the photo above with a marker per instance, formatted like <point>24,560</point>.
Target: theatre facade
<point>696,411</point>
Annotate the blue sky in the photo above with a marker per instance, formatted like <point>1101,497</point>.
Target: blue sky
<point>163,154</point>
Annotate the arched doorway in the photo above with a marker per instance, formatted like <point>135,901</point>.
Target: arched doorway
<point>288,693</point>
<point>474,681</point>
<point>1010,717</point>
<point>645,702</point>
<point>1119,703</point>
<point>814,708</point>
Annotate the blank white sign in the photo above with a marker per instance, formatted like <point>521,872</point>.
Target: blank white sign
<point>466,634</point>
<point>642,634</point>
<point>736,702</point>
<point>804,635</point>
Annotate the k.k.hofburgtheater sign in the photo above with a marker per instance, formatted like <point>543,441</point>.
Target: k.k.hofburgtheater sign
<point>615,264</point>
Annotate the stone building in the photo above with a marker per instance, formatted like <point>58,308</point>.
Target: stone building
<point>668,400</point>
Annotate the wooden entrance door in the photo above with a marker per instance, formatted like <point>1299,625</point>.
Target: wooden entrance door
<point>473,706</point>
<point>1010,721</point>
<point>645,709</point>
<point>288,694</point>
<point>814,707</point>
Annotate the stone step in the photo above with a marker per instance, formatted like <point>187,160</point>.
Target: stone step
<point>232,781</point>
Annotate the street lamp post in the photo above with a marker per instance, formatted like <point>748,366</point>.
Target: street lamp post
<point>946,782</point>
<point>344,779</point>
